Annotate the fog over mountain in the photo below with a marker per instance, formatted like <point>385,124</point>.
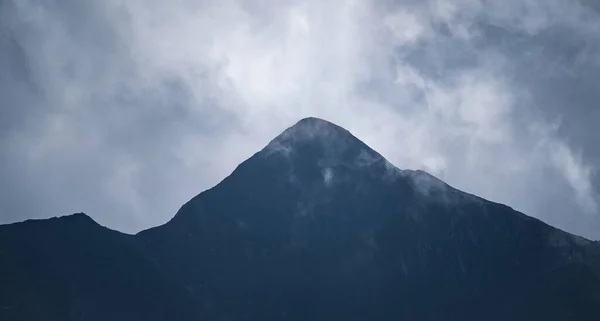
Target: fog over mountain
<point>126,109</point>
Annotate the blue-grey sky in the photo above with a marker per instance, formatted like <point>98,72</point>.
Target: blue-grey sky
<point>127,109</point>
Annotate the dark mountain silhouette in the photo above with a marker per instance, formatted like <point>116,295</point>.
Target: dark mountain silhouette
<point>316,226</point>
<point>71,268</point>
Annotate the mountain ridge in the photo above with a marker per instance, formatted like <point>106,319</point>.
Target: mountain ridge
<point>316,225</point>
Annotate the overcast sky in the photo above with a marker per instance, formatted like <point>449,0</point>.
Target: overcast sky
<point>125,109</point>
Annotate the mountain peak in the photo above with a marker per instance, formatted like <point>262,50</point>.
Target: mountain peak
<point>76,217</point>
<point>313,121</point>
<point>318,140</point>
<point>312,128</point>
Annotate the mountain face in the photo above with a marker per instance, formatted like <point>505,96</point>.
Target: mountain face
<point>315,226</point>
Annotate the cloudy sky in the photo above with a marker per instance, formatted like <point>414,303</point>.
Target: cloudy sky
<point>125,109</point>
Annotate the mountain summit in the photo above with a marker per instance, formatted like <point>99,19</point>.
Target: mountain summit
<point>318,226</point>
<point>322,145</point>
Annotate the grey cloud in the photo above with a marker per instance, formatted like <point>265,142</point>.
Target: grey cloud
<point>127,109</point>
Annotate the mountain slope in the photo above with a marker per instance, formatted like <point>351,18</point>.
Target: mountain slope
<point>319,226</point>
<point>70,268</point>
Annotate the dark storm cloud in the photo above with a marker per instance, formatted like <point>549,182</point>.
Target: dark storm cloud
<point>127,109</point>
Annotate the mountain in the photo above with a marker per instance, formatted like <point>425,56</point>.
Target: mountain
<point>315,226</point>
<point>71,268</point>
